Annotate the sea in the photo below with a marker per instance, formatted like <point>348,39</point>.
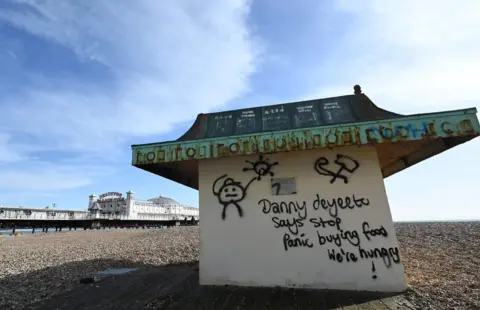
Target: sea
<point>28,231</point>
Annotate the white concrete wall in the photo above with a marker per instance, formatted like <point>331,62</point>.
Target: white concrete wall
<point>250,251</point>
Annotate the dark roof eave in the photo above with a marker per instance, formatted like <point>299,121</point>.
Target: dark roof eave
<point>471,110</point>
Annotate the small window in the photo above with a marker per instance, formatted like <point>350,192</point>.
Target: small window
<point>284,186</point>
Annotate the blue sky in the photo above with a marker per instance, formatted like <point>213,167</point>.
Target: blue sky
<point>80,81</point>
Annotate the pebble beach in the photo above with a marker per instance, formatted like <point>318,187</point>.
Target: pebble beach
<point>35,267</point>
<point>441,260</point>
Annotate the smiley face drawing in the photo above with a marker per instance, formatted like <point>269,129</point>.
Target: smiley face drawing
<point>229,193</point>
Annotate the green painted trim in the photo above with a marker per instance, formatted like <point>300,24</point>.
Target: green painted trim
<point>410,128</point>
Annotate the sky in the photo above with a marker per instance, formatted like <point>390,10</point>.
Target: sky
<point>81,81</point>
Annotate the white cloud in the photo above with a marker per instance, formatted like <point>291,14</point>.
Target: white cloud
<point>170,60</point>
<point>409,56</point>
<point>42,176</point>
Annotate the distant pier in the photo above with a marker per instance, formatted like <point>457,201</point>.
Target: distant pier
<point>108,210</point>
<point>49,220</point>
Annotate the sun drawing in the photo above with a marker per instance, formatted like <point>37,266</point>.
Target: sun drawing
<point>261,167</point>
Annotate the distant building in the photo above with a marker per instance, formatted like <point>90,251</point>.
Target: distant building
<point>114,204</point>
<point>25,213</point>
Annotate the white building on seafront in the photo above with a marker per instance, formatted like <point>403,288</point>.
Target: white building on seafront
<point>114,205</point>
<point>26,213</point>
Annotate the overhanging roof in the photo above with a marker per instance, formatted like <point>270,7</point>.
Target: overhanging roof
<point>401,140</point>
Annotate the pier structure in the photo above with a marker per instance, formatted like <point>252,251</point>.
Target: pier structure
<point>293,194</point>
<point>113,204</point>
<point>109,210</point>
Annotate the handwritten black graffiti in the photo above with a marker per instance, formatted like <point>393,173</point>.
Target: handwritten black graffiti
<point>341,244</point>
<point>293,225</point>
<point>334,204</point>
<point>277,187</point>
<point>261,167</point>
<point>344,162</point>
<point>389,255</point>
<point>300,241</point>
<point>292,207</point>
<point>284,207</point>
<point>230,192</point>
<point>351,236</point>
<point>367,232</point>
<point>340,256</point>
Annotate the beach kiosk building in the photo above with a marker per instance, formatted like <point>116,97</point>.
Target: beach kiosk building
<point>292,194</point>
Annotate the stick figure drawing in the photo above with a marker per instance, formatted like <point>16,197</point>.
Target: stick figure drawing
<point>229,193</point>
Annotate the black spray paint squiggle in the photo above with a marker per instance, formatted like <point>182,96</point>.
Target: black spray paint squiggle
<point>344,162</point>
